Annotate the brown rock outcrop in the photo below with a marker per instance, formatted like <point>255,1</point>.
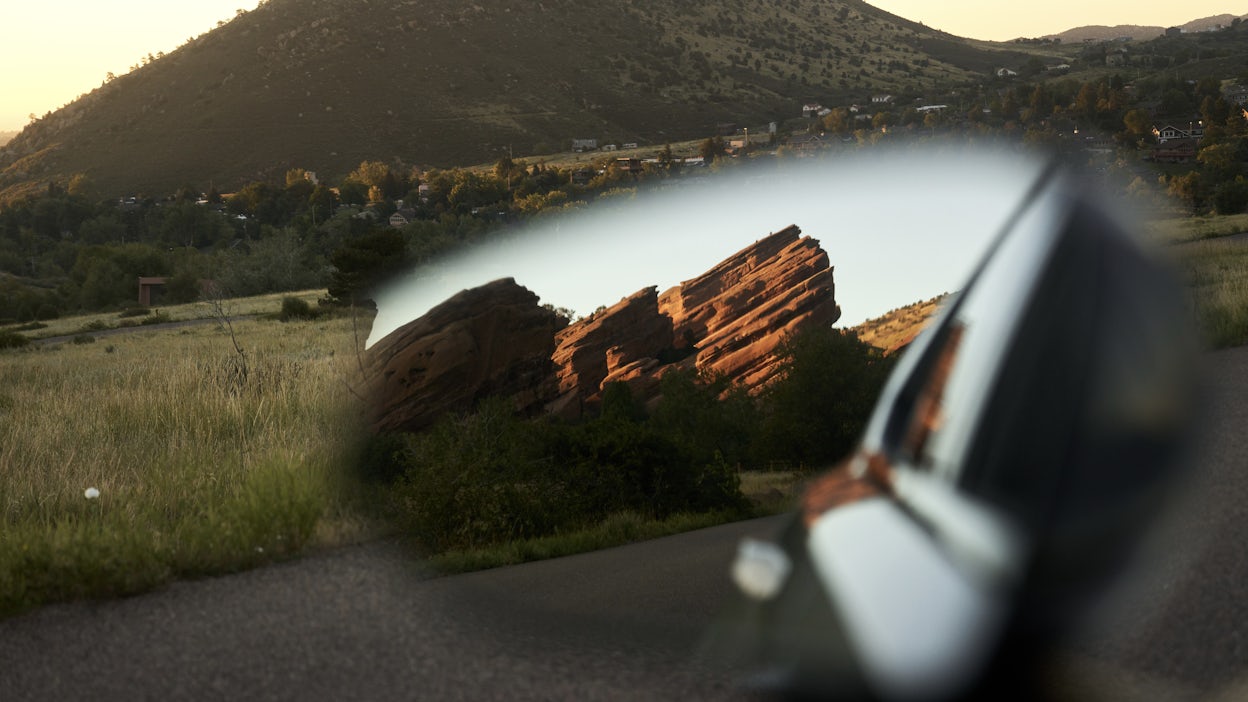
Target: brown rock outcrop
<point>497,339</point>
<point>631,331</point>
<point>491,340</point>
<point>739,312</point>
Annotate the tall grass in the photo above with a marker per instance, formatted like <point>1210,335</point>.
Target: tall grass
<point>201,467</point>
<point>1216,273</point>
<point>1177,230</point>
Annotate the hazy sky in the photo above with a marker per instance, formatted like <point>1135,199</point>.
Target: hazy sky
<point>52,51</point>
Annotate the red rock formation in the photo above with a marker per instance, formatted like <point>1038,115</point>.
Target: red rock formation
<point>631,331</point>
<point>496,339</point>
<point>738,313</point>
<point>491,340</point>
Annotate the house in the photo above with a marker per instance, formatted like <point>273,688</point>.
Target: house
<point>1006,73</point>
<point>1194,130</point>
<point>810,109</point>
<point>402,217</point>
<point>580,145</point>
<point>805,142</point>
<point>1175,151</point>
<point>628,165</point>
<point>930,108</point>
<point>881,99</point>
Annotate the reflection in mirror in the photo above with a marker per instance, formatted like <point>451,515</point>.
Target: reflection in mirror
<point>896,232</point>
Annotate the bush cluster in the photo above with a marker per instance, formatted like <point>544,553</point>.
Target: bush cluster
<point>490,476</point>
<point>294,308</point>
<point>12,340</point>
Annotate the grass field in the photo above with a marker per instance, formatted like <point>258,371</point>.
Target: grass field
<point>205,460</point>
<point>1178,230</point>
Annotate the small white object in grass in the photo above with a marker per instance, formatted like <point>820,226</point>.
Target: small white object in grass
<point>90,493</point>
<point>760,569</point>
<point>259,549</point>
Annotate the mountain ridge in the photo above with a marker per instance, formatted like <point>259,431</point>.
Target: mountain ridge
<point>326,84</point>
<point>1135,32</point>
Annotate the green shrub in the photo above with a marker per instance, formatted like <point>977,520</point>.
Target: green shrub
<point>490,477</point>
<point>816,412</point>
<point>12,340</point>
<point>83,339</point>
<point>134,312</point>
<point>295,308</point>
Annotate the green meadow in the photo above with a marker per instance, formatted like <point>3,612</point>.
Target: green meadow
<point>205,459</point>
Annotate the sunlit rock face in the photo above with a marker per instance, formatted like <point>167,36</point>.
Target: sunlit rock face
<point>497,340</point>
<point>738,313</point>
<point>631,331</point>
<point>491,340</point>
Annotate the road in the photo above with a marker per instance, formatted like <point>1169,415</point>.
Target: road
<point>368,623</point>
<point>621,624</point>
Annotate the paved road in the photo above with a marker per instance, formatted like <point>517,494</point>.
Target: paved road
<point>368,623</point>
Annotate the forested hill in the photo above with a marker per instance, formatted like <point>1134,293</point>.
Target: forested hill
<point>324,84</point>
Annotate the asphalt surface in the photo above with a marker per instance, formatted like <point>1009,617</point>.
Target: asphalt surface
<point>369,623</point>
<point>621,624</point>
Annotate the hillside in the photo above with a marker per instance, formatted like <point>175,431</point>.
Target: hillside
<point>1137,32</point>
<point>325,84</point>
<point>892,331</point>
<point>6,137</point>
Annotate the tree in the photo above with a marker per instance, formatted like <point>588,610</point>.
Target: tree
<point>1231,197</point>
<point>1219,160</point>
<point>711,148</point>
<point>837,121</point>
<point>665,156</point>
<point>817,411</point>
<point>1189,187</point>
<point>1138,122</point>
<point>321,203</point>
<point>364,262</point>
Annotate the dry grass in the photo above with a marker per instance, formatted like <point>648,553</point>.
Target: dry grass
<point>897,328</point>
<point>205,460</point>
<point>1177,230</point>
<point>1216,273</point>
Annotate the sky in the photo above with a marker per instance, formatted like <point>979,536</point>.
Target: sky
<point>52,51</point>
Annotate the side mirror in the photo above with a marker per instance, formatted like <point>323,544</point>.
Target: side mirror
<point>1015,454</point>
